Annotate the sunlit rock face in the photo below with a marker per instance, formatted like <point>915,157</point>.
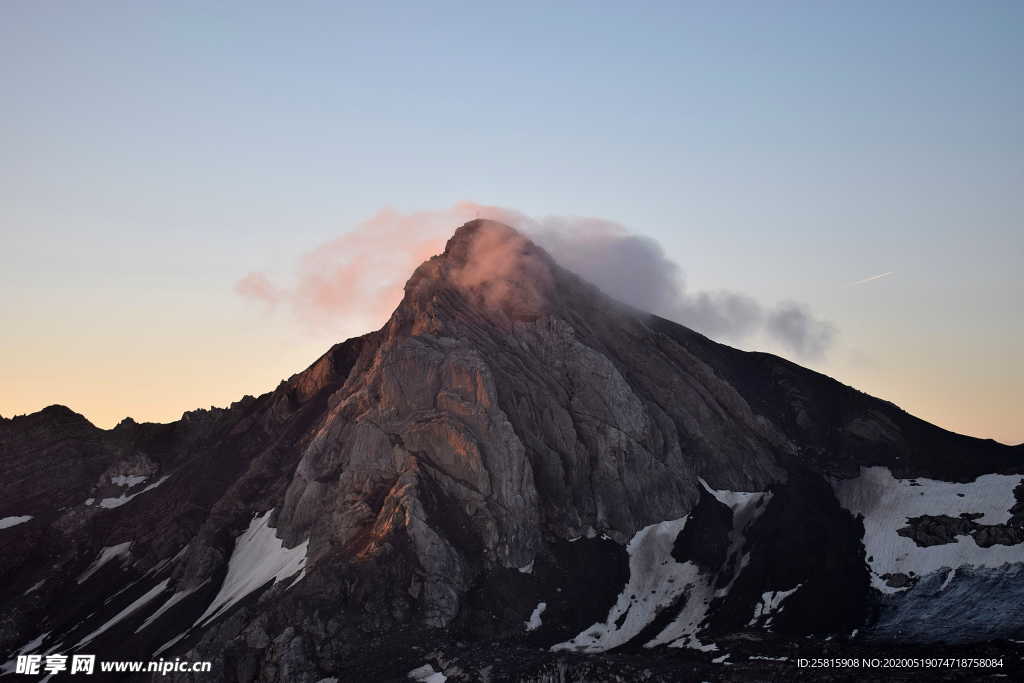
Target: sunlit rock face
<point>511,438</point>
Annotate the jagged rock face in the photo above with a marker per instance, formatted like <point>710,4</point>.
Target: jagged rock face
<point>511,438</point>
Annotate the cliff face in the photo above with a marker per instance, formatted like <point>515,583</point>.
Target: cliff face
<point>516,457</point>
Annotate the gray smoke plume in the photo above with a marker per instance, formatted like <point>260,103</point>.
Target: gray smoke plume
<point>635,270</point>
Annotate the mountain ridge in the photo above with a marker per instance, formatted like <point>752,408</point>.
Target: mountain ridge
<point>508,438</point>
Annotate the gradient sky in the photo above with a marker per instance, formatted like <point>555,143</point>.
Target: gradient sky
<point>153,153</point>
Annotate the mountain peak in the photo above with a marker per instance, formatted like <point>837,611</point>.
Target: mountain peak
<point>488,250</point>
<point>489,266</point>
<point>465,235</point>
<point>56,414</point>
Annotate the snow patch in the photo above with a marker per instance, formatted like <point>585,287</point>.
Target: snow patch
<point>949,578</point>
<point>31,646</point>
<point>171,602</point>
<point>164,563</point>
<point>768,604</point>
<point>8,522</point>
<point>426,674</point>
<point>259,558</point>
<point>656,580</point>
<point>106,555</point>
<point>110,503</point>
<point>171,643</point>
<point>127,611</point>
<point>887,504</point>
<point>733,499</point>
<point>535,623</point>
<point>682,632</point>
<point>126,588</point>
<point>128,480</point>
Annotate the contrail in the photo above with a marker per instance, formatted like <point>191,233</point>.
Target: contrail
<point>873,277</point>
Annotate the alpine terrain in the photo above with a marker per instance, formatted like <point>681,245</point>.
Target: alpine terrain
<point>517,478</point>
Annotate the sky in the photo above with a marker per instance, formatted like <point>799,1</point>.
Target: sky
<point>154,154</point>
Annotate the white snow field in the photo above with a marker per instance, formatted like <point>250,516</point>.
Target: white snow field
<point>887,504</point>
<point>259,557</point>
<point>171,602</point>
<point>110,503</point>
<point>535,623</point>
<point>121,550</point>
<point>128,480</point>
<point>126,612</point>
<point>8,522</point>
<point>682,632</point>
<point>426,674</point>
<point>769,604</point>
<point>657,580</point>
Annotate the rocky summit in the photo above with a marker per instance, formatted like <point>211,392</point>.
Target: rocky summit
<point>517,478</point>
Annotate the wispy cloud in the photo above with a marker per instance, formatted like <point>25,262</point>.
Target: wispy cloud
<point>872,278</point>
<point>356,279</point>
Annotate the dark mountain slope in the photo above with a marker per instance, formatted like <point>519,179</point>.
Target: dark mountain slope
<point>840,428</point>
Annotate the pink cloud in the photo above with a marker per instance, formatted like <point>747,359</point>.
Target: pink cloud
<point>354,282</point>
<point>357,279</point>
<point>257,286</point>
